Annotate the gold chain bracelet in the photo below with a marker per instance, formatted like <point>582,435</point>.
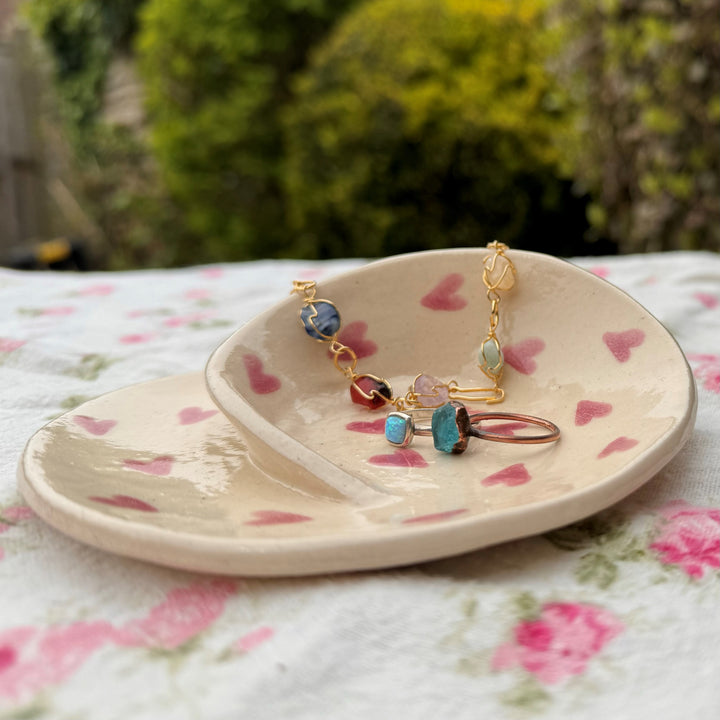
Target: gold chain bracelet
<point>321,320</point>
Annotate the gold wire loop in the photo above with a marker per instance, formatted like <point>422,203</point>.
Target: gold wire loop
<point>488,395</point>
<point>339,350</point>
<point>306,288</point>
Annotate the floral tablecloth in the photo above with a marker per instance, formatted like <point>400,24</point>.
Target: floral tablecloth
<point>613,617</point>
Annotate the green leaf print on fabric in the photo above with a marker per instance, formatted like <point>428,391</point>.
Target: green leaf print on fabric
<point>596,530</point>
<point>70,403</point>
<point>597,569</point>
<point>608,540</point>
<point>208,324</point>
<point>528,694</point>
<point>73,401</point>
<point>90,367</point>
<point>526,605</point>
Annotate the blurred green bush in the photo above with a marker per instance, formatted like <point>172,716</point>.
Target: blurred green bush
<point>326,128</point>
<point>217,78</point>
<point>430,124</point>
<point>645,79</point>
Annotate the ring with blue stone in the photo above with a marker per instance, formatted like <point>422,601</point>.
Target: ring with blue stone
<point>451,426</point>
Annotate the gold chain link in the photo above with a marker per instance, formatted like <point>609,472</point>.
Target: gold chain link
<point>495,282</point>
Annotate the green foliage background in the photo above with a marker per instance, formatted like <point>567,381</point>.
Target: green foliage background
<point>218,76</point>
<point>646,139</point>
<point>347,127</point>
<point>430,124</point>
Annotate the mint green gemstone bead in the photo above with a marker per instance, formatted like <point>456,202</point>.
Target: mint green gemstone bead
<point>491,358</point>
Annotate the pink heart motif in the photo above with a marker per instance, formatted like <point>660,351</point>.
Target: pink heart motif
<point>505,428</point>
<point>276,517</point>
<point>93,426</point>
<point>371,427</point>
<point>261,382</point>
<point>618,445</point>
<point>97,290</point>
<point>444,295</point>
<point>600,270</point>
<point>435,517</point>
<point>158,466</point>
<point>402,457</point>
<point>254,638</point>
<point>587,410</point>
<point>8,345</point>
<point>192,415</point>
<point>708,300</point>
<point>212,273</point>
<point>125,501</point>
<point>521,356</point>
<point>513,475</point>
<point>353,335</point>
<point>620,343</point>
<point>136,338</point>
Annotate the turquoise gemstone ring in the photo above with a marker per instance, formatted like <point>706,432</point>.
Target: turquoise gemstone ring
<point>451,426</point>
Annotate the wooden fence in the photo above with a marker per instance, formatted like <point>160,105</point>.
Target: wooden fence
<point>22,188</point>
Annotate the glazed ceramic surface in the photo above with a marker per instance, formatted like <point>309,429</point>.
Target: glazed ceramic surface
<point>578,351</point>
<point>300,480</point>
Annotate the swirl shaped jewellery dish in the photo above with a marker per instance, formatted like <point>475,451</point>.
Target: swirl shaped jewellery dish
<point>291,478</point>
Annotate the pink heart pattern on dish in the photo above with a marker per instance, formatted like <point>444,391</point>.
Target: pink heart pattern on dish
<point>370,427</point>
<point>353,335</point>
<point>588,410</point>
<point>402,457</point>
<point>511,476</point>
<point>434,517</point>
<point>621,343</point>
<point>521,356</point>
<point>444,295</point>
<point>192,415</point>
<point>620,444</point>
<point>94,426</point>
<point>276,517</point>
<point>125,501</point>
<point>261,382</point>
<point>158,466</point>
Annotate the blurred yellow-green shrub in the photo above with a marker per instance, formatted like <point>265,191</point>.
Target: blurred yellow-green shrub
<point>347,127</point>
<point>430,124</point>
<point>645,78</point>
<point>217,76</point>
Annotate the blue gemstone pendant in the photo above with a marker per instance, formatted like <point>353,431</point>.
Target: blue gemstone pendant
<point>399,429</point>
<point>451,427</point>
<point>320,319</point>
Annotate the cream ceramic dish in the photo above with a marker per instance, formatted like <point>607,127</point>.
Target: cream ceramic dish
<point>579,352</point>
<point>302,480</point>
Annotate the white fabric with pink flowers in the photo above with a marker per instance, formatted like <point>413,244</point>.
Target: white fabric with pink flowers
<point>613,618</point>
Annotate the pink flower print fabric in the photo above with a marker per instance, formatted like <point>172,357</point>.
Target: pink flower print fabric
<point>560,642</point>
<point>689,537</point>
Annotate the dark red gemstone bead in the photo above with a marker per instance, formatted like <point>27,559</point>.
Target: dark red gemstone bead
<point>377,390</point>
